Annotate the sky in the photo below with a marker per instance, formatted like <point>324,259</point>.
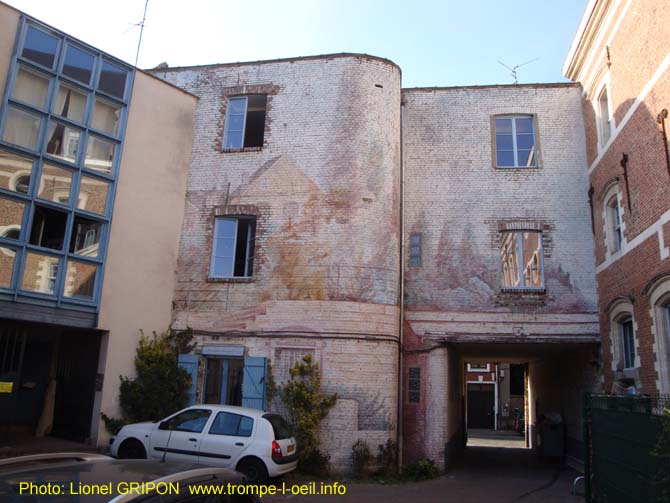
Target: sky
<point>436,43</point>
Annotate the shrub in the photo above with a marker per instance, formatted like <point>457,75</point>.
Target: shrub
<point>423,469</point>
<point>387,457</point>
<point>360,458</point>
<point>160,386</point>
<point>307,406</point>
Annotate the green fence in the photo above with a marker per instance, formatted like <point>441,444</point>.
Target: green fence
<point>628,448</point>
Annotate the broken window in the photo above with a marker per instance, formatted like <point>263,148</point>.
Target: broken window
<point>233,247</point>
<point>245,122</point>
<point>48,229</point>
<point>414,385</point>
<point>521,259</point>
<point>515,142</point>
<point>415,250</point>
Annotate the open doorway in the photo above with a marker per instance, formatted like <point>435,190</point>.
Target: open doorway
<point>495,404</point>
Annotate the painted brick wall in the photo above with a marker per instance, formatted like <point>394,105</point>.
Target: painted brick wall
<point>457,201</point>
<point>324,188</point>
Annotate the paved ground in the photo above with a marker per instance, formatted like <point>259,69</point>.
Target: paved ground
<point>501,475</point>
<point>20,445</point>
<point>493,438</point>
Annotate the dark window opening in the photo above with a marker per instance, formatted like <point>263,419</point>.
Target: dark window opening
<point>516,379</point>
<point>223,381</point>
<point>255,125</point>
<point>48,228</point>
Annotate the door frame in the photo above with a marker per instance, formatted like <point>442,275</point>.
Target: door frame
<point>223,398</point>
<point>495,401</point>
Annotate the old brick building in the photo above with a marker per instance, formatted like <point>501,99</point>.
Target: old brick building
<point>305,174</point>
<point>620,55</point>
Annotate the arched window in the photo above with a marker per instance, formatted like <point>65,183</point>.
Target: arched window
<point>659,300</point>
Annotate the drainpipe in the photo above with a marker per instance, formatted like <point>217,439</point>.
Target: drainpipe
<point>401,291</point>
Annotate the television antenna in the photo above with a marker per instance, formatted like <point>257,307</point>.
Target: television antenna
<point>513,70</point>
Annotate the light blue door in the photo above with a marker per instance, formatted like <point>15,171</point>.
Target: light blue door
<point>253,383</point>
<point>190,364</point>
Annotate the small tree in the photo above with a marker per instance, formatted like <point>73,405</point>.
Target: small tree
<point>307,406</point>
<point>160,386</point>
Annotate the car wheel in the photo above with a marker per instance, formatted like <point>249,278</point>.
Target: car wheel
<point>254,470</point>
<point>132,449</point>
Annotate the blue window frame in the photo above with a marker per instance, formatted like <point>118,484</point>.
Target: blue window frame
<point>62,124</point>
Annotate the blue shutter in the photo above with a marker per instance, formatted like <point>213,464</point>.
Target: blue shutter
<point>190,364</point>
<point>253,383</point>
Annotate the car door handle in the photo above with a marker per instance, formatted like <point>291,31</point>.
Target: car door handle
<point>240,444</point>
<point>192,439</point>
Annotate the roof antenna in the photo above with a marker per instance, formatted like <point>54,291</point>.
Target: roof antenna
<point>513,70</point>
<point>141,25</point>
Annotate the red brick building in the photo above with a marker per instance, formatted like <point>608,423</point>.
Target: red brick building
<point>621,57</point>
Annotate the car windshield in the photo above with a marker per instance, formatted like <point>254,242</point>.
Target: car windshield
<point>279,426</point>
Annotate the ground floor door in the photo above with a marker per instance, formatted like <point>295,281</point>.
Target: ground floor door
<point>481,406</point>
<point>223,380</point>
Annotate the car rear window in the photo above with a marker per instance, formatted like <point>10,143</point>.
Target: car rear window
<point>281,429</point>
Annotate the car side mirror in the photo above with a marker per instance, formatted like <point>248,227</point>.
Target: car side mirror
<point>164,425</point>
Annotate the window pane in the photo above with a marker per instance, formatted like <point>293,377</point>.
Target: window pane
<point>237,105</point>
<point>11,218</point>
<point>40,47</point>
<point>225,228</point>
<point>112,80</point>
<point>193,420</point>
<point>525,141</point>
<point>30,87</point>
<point>504,142</point>
<point>79,280</point>
<point>225,424</point>
<point>22,128</point>
<point>526,158</point>
<point>70,102</point>
<point>78,64</point>
<point>504,126</point>
<point>235,123</point>
<point>509,260</point>
<point>48,228</point>
<point>505,158</point>
<point>99,154</point>
<point>106,117</point>
<point>7,259</point>
<point>85,238</point>
<point>63,141</point>
<point>93,195</point>
<point>55,183</point>
<point>524,125</point>
<point>532,259</point>
<point>246,427</point>
<point>233,139</point>
<point>40,273</point>
<point>15,171</point>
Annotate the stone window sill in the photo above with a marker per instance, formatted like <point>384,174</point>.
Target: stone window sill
<point>244,149</point>
<point>230,280</point>
<point>531,291</point>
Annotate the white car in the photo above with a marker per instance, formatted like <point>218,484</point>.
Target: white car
<point>258,444</point>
